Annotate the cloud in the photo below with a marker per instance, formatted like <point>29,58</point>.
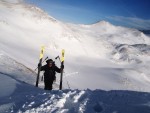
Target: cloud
<point>132,22</point>
<point>12,1</point>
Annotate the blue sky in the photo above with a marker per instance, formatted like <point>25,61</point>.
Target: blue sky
<point>129,13</point>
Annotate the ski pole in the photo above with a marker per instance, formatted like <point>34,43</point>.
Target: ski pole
<point>42,62</point>
<point>57,58</point>
<point>45,59</point>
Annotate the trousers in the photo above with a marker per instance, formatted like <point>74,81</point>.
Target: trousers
<point>48,84</point>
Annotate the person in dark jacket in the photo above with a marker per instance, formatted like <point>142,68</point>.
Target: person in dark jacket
<point>50,70</point>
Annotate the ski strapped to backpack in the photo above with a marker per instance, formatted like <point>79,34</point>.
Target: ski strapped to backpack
<point>39,65</point>
<point>62,63</point>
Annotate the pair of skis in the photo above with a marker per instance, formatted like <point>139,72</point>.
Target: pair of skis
<point>40,64</point>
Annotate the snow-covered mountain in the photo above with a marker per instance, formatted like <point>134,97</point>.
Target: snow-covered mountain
<point>91,50</point>
<point>98,56</point>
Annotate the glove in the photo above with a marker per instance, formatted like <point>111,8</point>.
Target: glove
<point>62,66</point>
<point>39,65</point>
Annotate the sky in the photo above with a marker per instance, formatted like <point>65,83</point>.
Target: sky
<point>128,13</point>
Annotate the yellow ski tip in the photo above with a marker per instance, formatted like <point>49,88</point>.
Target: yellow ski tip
<point>42,51</point>
<point>63,55</point>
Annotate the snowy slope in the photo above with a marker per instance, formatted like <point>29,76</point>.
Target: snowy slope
<point>18,95</point>
<point>111,59</point>
<point>14,71</point>
<point>88,101</point>
<point>100,55</point>
<point>27,99</point>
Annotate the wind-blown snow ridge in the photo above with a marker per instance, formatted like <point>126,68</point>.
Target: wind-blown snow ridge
<point>131,53</point>
<point>76,101</point>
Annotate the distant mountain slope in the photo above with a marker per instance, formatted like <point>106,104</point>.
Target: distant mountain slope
<point>146,32</point>
<point>16,71</point>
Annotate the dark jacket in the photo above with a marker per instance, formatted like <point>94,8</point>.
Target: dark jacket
<point>50,72</point>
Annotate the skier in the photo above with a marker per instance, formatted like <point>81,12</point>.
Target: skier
<point>49,75</point>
